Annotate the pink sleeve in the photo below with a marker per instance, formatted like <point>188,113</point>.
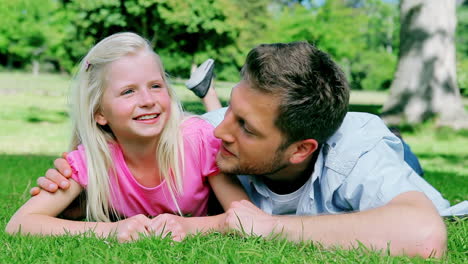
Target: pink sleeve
<point>77,161</point>
<point>198,134</point>
<point>209,148</point>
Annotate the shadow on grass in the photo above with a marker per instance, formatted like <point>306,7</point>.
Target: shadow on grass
<point>38,115</point>
<point>450,159</point>
<point>445,133</point>
<point>451,185</point>
<point>196,107</point>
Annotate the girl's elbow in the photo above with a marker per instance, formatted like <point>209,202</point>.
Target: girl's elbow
<point>13,227</point>
<point>16,224</point>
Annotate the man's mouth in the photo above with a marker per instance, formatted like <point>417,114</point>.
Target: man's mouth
<point>225,151</point>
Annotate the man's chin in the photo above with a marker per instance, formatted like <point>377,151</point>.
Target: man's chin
<point>226,167</point>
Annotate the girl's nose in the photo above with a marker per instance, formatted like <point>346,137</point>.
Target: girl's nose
<point>147,99</point>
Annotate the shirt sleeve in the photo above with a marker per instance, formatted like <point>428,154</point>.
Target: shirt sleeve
<point>199,134</point>
<point>380,175</point>
<point>77,161</point>
<point>208,151</point>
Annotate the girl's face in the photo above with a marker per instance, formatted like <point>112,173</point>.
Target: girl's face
<point>135,103</point>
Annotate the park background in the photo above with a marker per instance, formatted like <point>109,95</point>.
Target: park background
<point>41,43</point>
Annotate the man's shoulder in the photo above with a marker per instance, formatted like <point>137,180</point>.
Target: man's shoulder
<point>359,128</point>
<point>361,121</point>
<point>358,134</point>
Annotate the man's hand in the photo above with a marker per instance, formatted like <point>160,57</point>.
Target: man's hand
<point>54,178</point>
<point>248,219</point>
<point>131,229</point>
<point>164,224</point>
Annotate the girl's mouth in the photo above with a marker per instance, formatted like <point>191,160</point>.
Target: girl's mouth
<point>146,117</point>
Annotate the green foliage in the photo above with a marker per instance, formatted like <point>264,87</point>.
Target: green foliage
<point>373,70</point>
<point>362,36</point>
<point>333,27</point>
<point>361,39</point>
<point>183,32</point>
<point>26,31</point>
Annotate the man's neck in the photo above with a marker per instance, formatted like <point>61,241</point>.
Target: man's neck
<point>297,176</point>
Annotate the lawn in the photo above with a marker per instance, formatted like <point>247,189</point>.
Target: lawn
<point>35,128</point>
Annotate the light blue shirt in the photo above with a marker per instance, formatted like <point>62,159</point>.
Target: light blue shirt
<point>360,167</point>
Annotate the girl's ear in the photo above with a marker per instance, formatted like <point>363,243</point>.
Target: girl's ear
<point>100,119</point>
<point>302,150</point>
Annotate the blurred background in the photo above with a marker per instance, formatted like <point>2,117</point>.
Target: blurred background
<point>367,38</point>
<point>363,36</point>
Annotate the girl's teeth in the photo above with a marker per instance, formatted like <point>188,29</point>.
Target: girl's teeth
<point>147,117</point>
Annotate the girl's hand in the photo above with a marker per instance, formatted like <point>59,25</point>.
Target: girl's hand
<point>131,229</point>
<point>165,224</point>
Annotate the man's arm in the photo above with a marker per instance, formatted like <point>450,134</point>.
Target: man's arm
<point>227,189</point>
<point>409,224</point>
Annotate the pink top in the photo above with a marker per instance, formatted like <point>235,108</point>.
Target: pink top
<point>200,147</point>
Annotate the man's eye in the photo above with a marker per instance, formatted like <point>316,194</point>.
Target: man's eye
<point>247,131</point>
<point>242,125</point>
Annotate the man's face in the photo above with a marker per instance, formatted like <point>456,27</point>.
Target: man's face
<point>250,140</point>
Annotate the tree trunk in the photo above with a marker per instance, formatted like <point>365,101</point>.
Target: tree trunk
<point>35,67</point>
<point>425,83</point>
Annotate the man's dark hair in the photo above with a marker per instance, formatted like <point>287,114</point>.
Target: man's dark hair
<point>312,90</point>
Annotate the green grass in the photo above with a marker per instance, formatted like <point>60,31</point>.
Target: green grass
<point>35,129</point>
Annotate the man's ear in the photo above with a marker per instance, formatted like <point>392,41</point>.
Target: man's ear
<point>302,150</point>
<point>100,119</point>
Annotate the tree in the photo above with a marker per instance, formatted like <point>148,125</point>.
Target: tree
<point>361,38</point>
<point>425,83</point>
<point>183,32</point>
<point>25,32</point>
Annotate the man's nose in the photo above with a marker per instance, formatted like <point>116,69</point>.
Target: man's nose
<point>225,129</point>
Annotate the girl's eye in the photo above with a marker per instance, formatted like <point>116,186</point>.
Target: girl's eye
<point>155,86</point>
<point>128,91</point>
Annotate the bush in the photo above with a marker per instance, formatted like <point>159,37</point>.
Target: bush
<point>373,71</point>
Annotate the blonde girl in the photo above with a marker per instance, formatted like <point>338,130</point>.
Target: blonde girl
<point>135,153</point>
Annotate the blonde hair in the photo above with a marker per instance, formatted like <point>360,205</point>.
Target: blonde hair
<point>87,92</point>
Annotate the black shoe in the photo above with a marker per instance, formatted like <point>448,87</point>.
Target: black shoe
<point>200,80</point>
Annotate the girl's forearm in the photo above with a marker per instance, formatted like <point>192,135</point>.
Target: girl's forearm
<point>37,224</point>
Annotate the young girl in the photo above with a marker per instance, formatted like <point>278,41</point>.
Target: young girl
<point>135,152</point>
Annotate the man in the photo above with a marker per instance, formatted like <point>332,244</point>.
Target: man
<point>315,171</point>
